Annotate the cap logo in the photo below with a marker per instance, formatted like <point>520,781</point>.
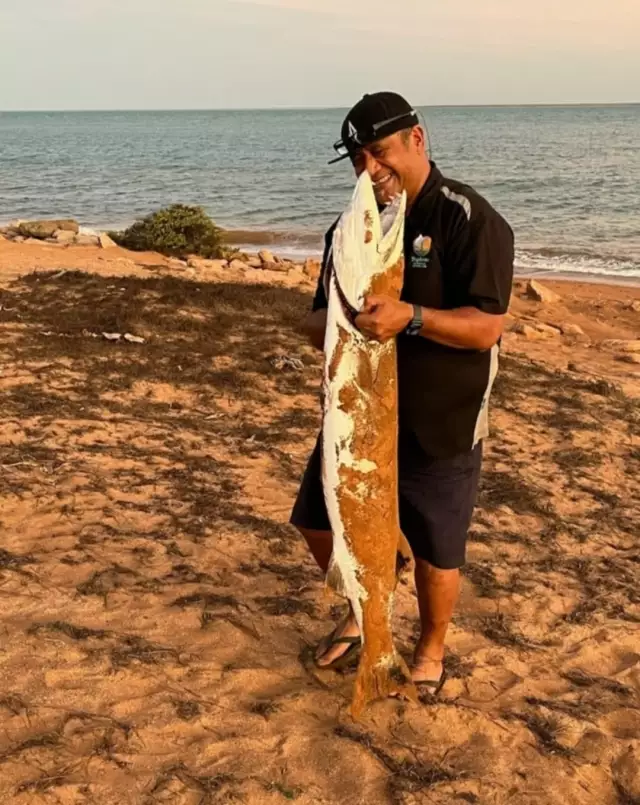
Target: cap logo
<point>353,133</point>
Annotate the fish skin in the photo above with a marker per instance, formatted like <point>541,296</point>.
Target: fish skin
<point>360,438</point>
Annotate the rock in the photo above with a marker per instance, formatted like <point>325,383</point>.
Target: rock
<point>87,240</point>
<point>46,229</point>
<point>254,262</point>
<point>621,345</point>
<point>312,268</point>
<point>540,293</point>
<point>238,265</point>
<point>177,265</point>
<point>534,329</point>
<point>526,330</point>
<point>206,265</point>
<point>201,264</point>
<point>571,329</point>
<point>19,239</point>
<point>275,267</point>
<point>64,236</point>
<point>635,306</point>
<point>105,241</point>
<point>266,257</point>
<point>630,357</point>
<point>546,329</point>
<point>627,773</point>
<point>33,241</point>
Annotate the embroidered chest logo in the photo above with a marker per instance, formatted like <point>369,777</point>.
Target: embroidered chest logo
<point>421,251</point>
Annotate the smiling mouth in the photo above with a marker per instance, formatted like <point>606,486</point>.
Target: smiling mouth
<point>383,181</point>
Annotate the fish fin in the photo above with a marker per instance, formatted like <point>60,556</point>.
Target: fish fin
<point>381,680</point>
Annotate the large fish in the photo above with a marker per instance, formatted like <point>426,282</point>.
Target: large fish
<point>360,437</point>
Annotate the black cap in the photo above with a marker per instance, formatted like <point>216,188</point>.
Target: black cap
<point>373,118</point>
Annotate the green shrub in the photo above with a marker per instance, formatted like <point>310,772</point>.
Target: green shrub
<point>176,231</point>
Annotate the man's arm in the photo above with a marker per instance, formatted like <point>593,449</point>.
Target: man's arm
<point>462,328</point>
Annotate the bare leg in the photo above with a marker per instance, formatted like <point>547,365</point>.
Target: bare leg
<point>437,596</point>
<point>321,545</point>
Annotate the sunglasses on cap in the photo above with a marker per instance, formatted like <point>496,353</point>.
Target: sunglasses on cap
<point>377,131</point>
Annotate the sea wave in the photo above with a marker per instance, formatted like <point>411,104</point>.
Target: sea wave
<point>555,261</point>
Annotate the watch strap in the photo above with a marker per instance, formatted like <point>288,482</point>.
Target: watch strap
<point>415,325</point>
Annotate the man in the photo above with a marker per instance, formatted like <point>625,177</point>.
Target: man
<point>458,275</point>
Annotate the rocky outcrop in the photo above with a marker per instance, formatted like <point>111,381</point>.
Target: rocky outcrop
<point>46,229</point>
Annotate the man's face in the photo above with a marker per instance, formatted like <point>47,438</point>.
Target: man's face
<point>394,164</point>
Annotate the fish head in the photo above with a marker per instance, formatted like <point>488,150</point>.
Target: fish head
<point>366,241</point>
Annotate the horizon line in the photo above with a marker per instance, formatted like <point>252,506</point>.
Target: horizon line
<point>590,104</point>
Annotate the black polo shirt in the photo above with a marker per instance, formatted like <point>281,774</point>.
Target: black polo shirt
<point>458,253</point>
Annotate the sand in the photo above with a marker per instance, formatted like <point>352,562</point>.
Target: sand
<point>157,612</point>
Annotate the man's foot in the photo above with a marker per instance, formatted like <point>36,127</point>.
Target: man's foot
<point>426,670</point>
<point>344,639</point>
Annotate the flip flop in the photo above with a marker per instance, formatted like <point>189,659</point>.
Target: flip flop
<point>340,662</point>
<point>432,686</point>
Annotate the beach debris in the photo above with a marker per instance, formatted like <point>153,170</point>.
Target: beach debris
<point>132,339</point>
<point>540,293</point>
<point>282,362</point>
<point>359,439</point>
<point>105,241</point>
<point>46,229</point>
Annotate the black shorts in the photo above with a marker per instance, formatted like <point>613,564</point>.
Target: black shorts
<point>437,498</point>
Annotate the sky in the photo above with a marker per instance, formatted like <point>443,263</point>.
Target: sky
<point>225,54</point>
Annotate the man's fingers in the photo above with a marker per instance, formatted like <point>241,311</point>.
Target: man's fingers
<point>373,301</point>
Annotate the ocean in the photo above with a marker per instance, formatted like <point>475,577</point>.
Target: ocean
<point>566,178</point>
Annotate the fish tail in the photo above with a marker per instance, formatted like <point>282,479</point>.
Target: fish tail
<point>380,678</point>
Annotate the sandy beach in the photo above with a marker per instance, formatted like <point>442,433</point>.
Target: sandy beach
<point>158,612</point>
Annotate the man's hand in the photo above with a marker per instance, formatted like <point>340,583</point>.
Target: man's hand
<point>383,318</point>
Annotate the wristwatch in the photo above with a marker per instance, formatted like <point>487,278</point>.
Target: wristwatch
<point>415,325</point>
